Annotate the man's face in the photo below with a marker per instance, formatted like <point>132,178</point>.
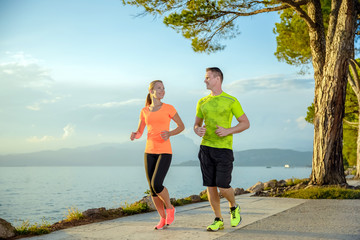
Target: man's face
<point>210,80</point>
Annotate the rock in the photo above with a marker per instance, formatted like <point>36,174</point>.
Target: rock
<point>6,229</point>
<point>259,186</point>
<point>195,198</point>
<point>93,212</point>
<point>239,191</point>
<point>281,183</point>
<point>116,212</point>
<point>149,202</point>
<point>203,192</point>
<point>270,184</point>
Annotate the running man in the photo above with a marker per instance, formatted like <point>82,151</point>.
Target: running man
<point>216,156</point>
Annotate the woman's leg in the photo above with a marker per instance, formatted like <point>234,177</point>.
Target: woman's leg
<point>161,169</point>
<point>150,161</point>
<point>162,166</point>
<point>159,204</point>
<point>164,196</point>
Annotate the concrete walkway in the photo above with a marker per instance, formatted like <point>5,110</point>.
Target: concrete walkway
<point>263,218</point>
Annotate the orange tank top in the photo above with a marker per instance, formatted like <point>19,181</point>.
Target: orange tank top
<point>156,122</point>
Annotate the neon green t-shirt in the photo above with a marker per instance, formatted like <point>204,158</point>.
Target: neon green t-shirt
<point>218,111</point>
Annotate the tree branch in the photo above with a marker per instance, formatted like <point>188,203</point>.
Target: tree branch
<point>352,124</point>
<point>354,80</point>
<point>296,5</point>
<point>335,6</point>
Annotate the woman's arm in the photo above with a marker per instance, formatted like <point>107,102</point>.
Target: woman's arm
<point>139,132</point>
<point>180,127</point>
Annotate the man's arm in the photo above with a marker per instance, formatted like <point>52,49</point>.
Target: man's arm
<point>198,128</point>
<point>241,126</point>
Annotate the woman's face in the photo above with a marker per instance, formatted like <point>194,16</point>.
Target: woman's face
<point>158,91</point>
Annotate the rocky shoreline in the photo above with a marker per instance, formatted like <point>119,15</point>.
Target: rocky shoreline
<point>272,188</point>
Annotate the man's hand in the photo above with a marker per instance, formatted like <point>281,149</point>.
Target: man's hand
<point>222,132</point>
<point>200,131</point>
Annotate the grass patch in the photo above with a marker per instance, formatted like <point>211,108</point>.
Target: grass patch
<point>296,181</point>
<point>323,193</point>
<point>35,229</point>
<point>135,208</point>
<point>74,214</point>
<point>204,197</point>
<point>182,201</point>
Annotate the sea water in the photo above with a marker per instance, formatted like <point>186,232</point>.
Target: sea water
<point>37,193</point>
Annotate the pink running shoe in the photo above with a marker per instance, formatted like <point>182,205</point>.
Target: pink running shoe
<point>161,224</point>
<point>170,215</point>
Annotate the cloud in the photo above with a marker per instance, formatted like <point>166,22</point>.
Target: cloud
<point>301,122</point>
<point>36,106</point>
<point>22,71</point>
<point>116,104</point>
<point>271,82</point>
<point>22,75</point>
<point>36,139</point>
<point>68,132</point>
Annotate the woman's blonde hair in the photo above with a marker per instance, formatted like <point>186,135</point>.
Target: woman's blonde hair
<point>151,87</point>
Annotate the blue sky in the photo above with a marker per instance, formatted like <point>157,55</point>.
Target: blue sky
<point>76,73</point>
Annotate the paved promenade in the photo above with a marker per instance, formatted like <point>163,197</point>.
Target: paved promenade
<point>263,218</point>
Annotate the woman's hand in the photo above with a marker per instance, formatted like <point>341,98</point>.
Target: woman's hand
<point>165,135</point>
<point>135,135</point>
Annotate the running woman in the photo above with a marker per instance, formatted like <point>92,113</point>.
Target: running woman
<point>216,155</point>
<point>156,116</point>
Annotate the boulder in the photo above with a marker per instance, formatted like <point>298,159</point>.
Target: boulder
<point>6,229</point>
<point>239,191</point>
<point>270,184</point>
<point>195,198</point>
<point>94,212</point>
<point>149,202</point>
<point>203,192</point>
<point>259,186</point>
<point>281,183</point>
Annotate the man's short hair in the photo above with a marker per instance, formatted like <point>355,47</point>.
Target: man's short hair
<point>217,72</point>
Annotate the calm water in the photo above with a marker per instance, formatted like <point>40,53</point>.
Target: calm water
<point>34,193</point>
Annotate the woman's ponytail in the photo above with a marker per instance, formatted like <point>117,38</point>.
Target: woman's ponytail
<point>148,100</point>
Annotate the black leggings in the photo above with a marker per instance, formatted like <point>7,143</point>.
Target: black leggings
<point>156,167</point>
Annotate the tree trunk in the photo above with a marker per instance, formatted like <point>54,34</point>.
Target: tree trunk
<point>330,92</point>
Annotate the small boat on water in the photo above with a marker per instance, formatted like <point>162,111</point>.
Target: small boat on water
<point>286,166</point>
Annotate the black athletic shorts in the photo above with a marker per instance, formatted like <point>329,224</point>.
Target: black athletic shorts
<point>216,166</point>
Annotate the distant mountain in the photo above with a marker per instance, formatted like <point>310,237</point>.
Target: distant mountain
<point>272,158</point>
<point>267,157</point>
<point>185,153</point>
<point>106,154</point>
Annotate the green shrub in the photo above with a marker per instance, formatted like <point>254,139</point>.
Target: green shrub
<point>135,208</point>
<point>36,229</point>
<point>73,215</point>
<point>323,193</point>
<point>182,201</point>
<point>204,197</point>
<point>296,181</point>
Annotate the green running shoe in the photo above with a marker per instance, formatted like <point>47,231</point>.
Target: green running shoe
<point>218,224</point>
<point>235,216</point>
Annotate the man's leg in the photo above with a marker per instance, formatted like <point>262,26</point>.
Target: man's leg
<point>228,193</point>
<point>214,200</point>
